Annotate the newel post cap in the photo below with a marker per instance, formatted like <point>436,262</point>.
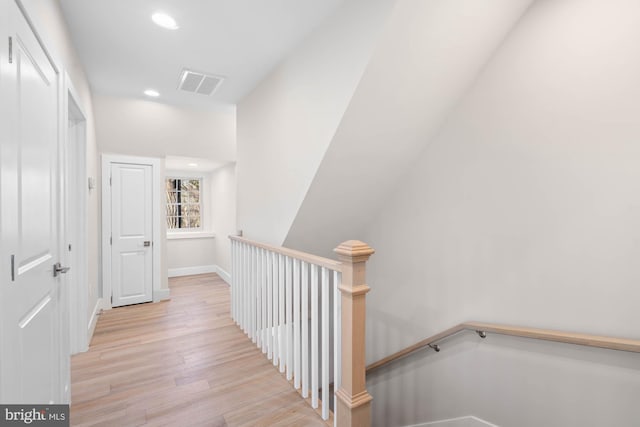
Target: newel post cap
<point>354,251</point>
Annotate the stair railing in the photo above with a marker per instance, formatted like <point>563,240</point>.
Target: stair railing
<point>307,315</point>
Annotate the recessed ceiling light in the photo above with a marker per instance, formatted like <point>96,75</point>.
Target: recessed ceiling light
<point>193,165</point>
<point>165,21</point>
<point>152,93</point>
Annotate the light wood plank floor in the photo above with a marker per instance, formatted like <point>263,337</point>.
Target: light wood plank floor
<point>181,362</point>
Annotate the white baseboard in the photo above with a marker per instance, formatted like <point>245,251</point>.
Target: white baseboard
<point>468,421</point>
<point>223,274</point>
<point>161,295</point>
<point>190,271</point>
<point>93,321</point>
<point>200,269</point>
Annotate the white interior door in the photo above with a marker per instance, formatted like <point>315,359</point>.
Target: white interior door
<point>131,231</point>
<point>30,316</point>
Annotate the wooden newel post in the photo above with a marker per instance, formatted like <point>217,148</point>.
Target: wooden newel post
<point>353,400</point>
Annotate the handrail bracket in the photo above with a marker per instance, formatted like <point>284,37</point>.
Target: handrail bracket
<point>481,334</point>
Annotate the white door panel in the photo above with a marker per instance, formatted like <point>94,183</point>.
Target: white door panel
<point>30,296</point>
<point>132,226</point>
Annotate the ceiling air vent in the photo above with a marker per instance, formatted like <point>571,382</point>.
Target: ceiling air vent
<point>195,82</point>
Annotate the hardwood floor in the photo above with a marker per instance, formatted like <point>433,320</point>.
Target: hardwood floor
<point>181,362</point>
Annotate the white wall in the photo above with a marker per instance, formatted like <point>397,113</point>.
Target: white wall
<point>287,122</point>
<point>524,209</point>
<point>49,21</point>
<point>147,128</point>
<point>190,253</point>
<point>223,213</point>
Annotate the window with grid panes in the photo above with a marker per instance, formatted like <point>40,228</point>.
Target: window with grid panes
<point>184,204</point>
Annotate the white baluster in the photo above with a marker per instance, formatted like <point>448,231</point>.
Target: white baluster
<point>337,340</point>
<point>236,280</point>
<point>253,294</point>
<point>305,330</point>
<point>238,283</point>
<point>243,288</point>
<point>258,298</point>
<point>269,336</point>
<point>233,278</point>
<point>314,336</point>
<point>254,299</point>
<point>245,280</point>
<point>276,310</point>
<point>281,296</point>
<point>289,319</point>
<point>263,298</point>
<point>296,324</point>
<point>325,343</point>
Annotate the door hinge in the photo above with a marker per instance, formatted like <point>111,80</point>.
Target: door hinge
<point>111,239</point>
<point>110,181</point>
<point>10,50</point>
<point>13,268</point>
<point>111,299</point>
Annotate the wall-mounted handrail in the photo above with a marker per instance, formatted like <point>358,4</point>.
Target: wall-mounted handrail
<point>329,263</point>
<point>611,343</point>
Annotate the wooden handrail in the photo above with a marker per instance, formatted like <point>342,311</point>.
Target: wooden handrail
<point>611,343</point>
<point>331,264</point>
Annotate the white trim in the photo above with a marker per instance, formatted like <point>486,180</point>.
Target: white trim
<point>190,271</point>
<point>479,422</point>
<point>107,160</point>
<point>76,289</point>
<point>177,235</point>
<point>50,53</point>
<point>4,252</point>
<point>93,320</point>
<point>223,275</point>
<point>161,295</point>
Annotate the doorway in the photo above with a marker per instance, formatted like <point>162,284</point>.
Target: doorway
<point>130,229</point>
<point>75,224</point>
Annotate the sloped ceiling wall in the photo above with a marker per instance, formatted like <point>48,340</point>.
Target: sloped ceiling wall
<point>286,124</point>
<point>427,57</point>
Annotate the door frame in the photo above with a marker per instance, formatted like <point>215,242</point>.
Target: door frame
<point>156,192</point>
<point>76,286</point>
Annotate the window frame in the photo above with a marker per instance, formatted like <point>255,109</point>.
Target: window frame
<point>201,203</point>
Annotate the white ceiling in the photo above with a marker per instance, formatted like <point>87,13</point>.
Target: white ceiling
<point>191,164</point>
<point>124,52</point>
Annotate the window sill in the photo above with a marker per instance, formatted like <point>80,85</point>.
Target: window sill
<point>190,235</point>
